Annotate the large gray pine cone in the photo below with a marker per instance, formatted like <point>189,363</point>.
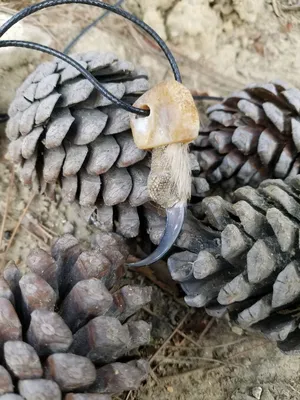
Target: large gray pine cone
<point>251,269</point>
<point>252,135</point>
<point>62,332</point>
<point>63,131</point>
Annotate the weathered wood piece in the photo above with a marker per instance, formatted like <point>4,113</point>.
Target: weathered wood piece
<point>46,107</point>
<point>103,153</point>
<point>284,229</point>
<point>117,185</point>
<point>102,340</point>
<point>248,171</point>
<point>39,389</point>
<point>88,299</point>
<point>105,215</point>
<point>70,372</point>
<point>261,261</point>
<point>69,188</point>
<point>200,186</point>
<point>286,288</point>
<point>181,265</point>
<point>237,289</point>
<point>268,145</point>
<point>253,222</point>
<point>36,294</point>
<point>119,377</point>
<point>75,156</point>
<point>128,222</point>
<point>58,127</point>
<point>22,360</point>
<point>118,120</point>
<point>140,334</point>
<point>200,292</point>
<point>278,328</point>
<point>6,292</point>
<point>130,154</point>
<point>139,194</point>
<point>216,210</point>
<point>29,142</point>
<point>89,124</point>
<point>48,333</point>
<point>257,312</point>
<point>87,396</point>
<point>65,252</point>
<point>90,264</point>
<point>10,326</point>
<point>128,300</point>
<point>41,263</point>
<point>75,91</point>
<point>89,188</point>
<point>53,161</point>
<point>233,244</point>
<point>231,163</point>
<point>112,246</point>
<point>221,141</point>
<point>206,264</point>
<point>291,346</point>
<point>6,385</point>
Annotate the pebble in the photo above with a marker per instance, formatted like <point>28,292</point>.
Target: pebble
<point>69,228</point>
<point>256,392</point>
<point>267,395</point>
<point>237,330</point>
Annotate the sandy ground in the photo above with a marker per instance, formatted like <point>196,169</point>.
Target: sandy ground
<point>220,46</point>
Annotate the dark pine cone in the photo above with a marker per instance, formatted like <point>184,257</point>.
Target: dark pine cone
<point>62,130</point>
<point>250,269</point>
<point>253,134</point>
<point>62,331</point>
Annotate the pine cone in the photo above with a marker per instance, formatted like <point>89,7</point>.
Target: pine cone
<point>253,134</point>
<point>62,130</point>
<point>62,331</point>
<point>251,269</point>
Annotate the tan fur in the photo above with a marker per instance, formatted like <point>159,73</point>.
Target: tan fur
<point>169,180</point>
<point>178,159</point>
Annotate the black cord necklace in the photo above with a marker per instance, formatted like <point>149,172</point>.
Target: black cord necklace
<point>35,46</point>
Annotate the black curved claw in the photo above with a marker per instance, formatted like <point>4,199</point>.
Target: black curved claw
<point>175,219</point>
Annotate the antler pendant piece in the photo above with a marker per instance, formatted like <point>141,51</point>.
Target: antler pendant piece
<point>173,122</point>
<point>173,116</point>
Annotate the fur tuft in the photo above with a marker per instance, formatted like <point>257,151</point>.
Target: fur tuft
<point>177,155</point>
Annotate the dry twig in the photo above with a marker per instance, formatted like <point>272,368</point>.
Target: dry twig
<point>8,200</point>
<point>19,223</point>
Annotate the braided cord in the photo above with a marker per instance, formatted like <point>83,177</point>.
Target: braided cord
<point>51,3</point>
<point>80,68</point>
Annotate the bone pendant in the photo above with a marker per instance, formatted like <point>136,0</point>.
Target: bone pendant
<point>173,116</point>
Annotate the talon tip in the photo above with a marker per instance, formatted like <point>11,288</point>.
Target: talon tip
<point>175,219</point>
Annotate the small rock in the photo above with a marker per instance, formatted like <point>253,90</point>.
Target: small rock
<point>256,392</point>
<point>69,228</point>
<point>7,235</point>
<point>267,395</point>
<point>160,329</point>
<point>237,330</point>
<point>170,389</point>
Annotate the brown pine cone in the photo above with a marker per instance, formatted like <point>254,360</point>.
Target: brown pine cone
<point>62,130</point>
<point>250,270</point>
<point>252,135</point>
<point>61,329</point>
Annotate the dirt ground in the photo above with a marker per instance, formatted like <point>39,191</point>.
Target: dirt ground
<point>220,46</point>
